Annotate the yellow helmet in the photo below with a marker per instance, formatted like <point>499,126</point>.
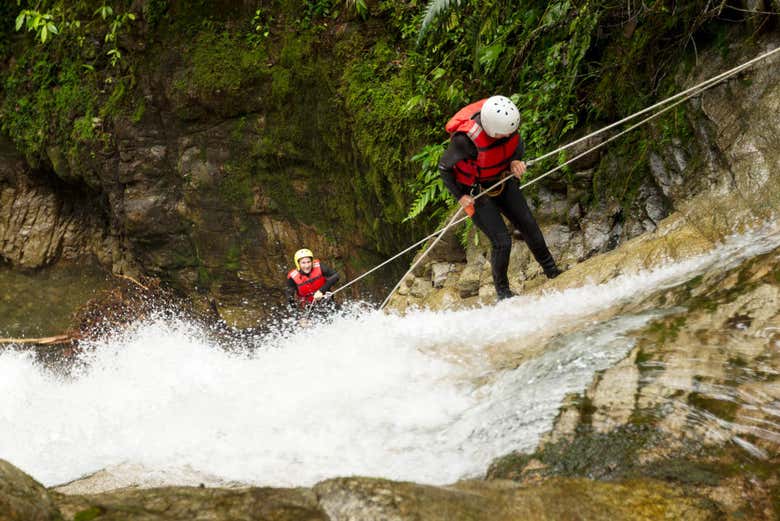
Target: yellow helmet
<point>300,254</point>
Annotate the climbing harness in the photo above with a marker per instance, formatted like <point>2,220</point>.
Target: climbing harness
<point>477,189</point>
<point>456,219</point>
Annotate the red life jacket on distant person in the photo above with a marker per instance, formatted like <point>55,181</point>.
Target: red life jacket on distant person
<point>493,155</point>
<point>308,284</point>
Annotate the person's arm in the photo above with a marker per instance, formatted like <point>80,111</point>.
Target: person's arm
<point>331,277</point>
<point>292,294</point>
<point>460,148</point>
<point>517,165</point>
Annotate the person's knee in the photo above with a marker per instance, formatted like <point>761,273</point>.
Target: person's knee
<point>502,241</point>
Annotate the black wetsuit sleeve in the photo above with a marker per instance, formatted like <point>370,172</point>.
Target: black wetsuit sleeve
<point>331,277</point>
<point>461,147</point>
<point>519,151</point>
<point>292,293</point>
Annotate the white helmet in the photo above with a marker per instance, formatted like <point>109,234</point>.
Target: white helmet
<point>499,116</point>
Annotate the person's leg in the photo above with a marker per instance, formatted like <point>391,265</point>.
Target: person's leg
<point>513,204</point>
<point>488,219</point>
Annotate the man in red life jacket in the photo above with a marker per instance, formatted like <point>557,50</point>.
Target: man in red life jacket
<point>484,146</point>
<point>309,282</point>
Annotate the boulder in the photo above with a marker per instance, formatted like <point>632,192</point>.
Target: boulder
<point>24,499</point>
<point>191,503</point>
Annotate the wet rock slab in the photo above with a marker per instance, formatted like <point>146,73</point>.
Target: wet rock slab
<point>356,498</point>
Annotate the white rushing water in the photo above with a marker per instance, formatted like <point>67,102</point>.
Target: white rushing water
<point>368,394</point>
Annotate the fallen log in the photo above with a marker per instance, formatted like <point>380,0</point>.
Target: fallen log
<point>43,341</point>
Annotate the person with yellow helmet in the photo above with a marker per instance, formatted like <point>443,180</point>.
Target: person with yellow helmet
<point>310,281</point>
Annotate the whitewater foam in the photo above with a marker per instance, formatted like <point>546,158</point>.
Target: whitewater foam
<point>367,394</point>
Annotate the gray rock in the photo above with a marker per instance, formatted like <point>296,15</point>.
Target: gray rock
<point>574,215</point>
<point>421,287</point>
<point>600,231</point>
<point>439,273</point>
<point>468,283</point>
<point>551,206</point>
<point>590,160</point>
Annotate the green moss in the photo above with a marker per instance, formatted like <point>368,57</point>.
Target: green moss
<point>694,282</point>
<point>89,514</point>
<point>233,258</point>
<point>643,357</point>
<point>509,466</point>
<point>204,278</point>
<point>666,329</point>
<point>614,456</point>
<point>236,185</point>
<point>222,64</point>
<point>41,100</point>
<point>113,105</point>
<point>83,128</point>
<point>686,471</point>
<point>590,454</point>
<point>139,112</point>
<point>281,83</point>
<point>722,408</point>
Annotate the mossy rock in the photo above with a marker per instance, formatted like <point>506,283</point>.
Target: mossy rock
<point>24,499</point>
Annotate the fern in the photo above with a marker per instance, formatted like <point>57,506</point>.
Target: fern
<point>431,193</point>
<point>434,9</point>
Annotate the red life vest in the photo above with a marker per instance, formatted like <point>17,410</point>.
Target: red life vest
<point>308,284</point>
<point>493,155</point>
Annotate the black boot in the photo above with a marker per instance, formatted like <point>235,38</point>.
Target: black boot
<point>552,272</point>
<point>504,293</point>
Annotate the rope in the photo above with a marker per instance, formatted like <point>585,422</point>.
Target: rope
<point>421,257</point>
<point>681,97</point>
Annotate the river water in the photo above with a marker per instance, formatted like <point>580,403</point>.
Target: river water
<point>430,397</point>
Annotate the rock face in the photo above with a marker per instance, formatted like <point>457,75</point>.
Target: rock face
<point>723,180</point>
<point>693,403</point>
<point>43,221</point>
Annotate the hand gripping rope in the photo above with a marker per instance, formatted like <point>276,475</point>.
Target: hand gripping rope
<point>678,98</point>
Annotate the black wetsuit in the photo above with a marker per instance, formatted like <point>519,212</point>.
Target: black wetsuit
<point>488,210</point>
<point>294,301</point>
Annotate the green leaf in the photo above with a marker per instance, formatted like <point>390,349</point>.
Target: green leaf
<point>362,8</point>
<point>52,28</point>
<point>20,20</point>
<point>434,10</point>
<point>44,34</point>
<point>104,11</point>
<point>438,73</point>
<point>413,102</point>
<point>488,56</point>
